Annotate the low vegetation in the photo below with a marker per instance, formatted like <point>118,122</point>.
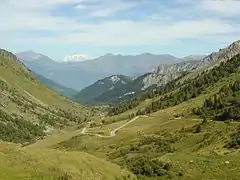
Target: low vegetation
<point>174,149</point>
<point>234,140</point>
<point>47,164</point>
<point>17,130</point>
<point>225,105</point>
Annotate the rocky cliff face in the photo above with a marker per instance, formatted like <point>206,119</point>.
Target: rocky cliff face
<point>154,79</point>
<point>221,55</point>
<point>173,71</point>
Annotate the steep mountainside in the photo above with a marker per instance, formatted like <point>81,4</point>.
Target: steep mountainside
<point>67,92</point>
<point>176,92</point>
<point>35,60</point>
<point>27,108</point>
<point>78,75</point>
<point>88,94</point>
<point>157,78</point>
<point>163,74</point>
<point>222,55</point>
<point>127,91</point>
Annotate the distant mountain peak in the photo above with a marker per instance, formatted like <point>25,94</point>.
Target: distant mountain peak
<point>109,54</point>
<point>222,55</point>
<point>237,42</point>
<point>147,54</point>
<point>28,52</point>
<point>30,55</point>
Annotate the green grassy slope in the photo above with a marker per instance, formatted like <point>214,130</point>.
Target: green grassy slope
<point>27,108</point>
<point>55,165</point>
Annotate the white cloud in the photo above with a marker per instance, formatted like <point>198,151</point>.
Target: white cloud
<point>106,8</point>
<point>113,8</point>
<point>81,6</point>
<point>19,16</point>
<point>32,5</point>
<point>223,7</point>
<point>138,33</point>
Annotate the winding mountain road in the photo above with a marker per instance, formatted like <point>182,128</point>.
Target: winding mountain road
<point>65,135</point>
<point>113,132</point>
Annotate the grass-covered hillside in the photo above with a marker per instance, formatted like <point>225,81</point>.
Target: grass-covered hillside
<point>28,109</point>
<point>47,164</point>
<point>162,146</point>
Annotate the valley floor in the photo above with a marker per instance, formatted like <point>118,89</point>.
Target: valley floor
<point>193,148</point>
<point>161,145</point>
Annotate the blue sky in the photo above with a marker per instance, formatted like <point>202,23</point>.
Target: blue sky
<point>95,27</point>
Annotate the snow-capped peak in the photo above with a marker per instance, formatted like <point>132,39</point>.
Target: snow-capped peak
<point>76,57</point>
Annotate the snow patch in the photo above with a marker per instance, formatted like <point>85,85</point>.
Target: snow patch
<point>111,88</point>
<point>123,82</point>
<point>114,79</point>
<point>129,93</point>
<point>76,57</point>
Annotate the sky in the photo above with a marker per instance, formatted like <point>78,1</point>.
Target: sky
<point>95,27</point>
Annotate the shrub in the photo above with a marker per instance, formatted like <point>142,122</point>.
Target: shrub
<point>144,165</point>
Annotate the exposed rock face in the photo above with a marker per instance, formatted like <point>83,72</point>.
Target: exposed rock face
<point>221,55</point>
<point>152,79</point>
<point>175,70</point>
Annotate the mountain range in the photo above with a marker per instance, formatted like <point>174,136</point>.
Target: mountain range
<point>79,74</point>
<point>159,76</point>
